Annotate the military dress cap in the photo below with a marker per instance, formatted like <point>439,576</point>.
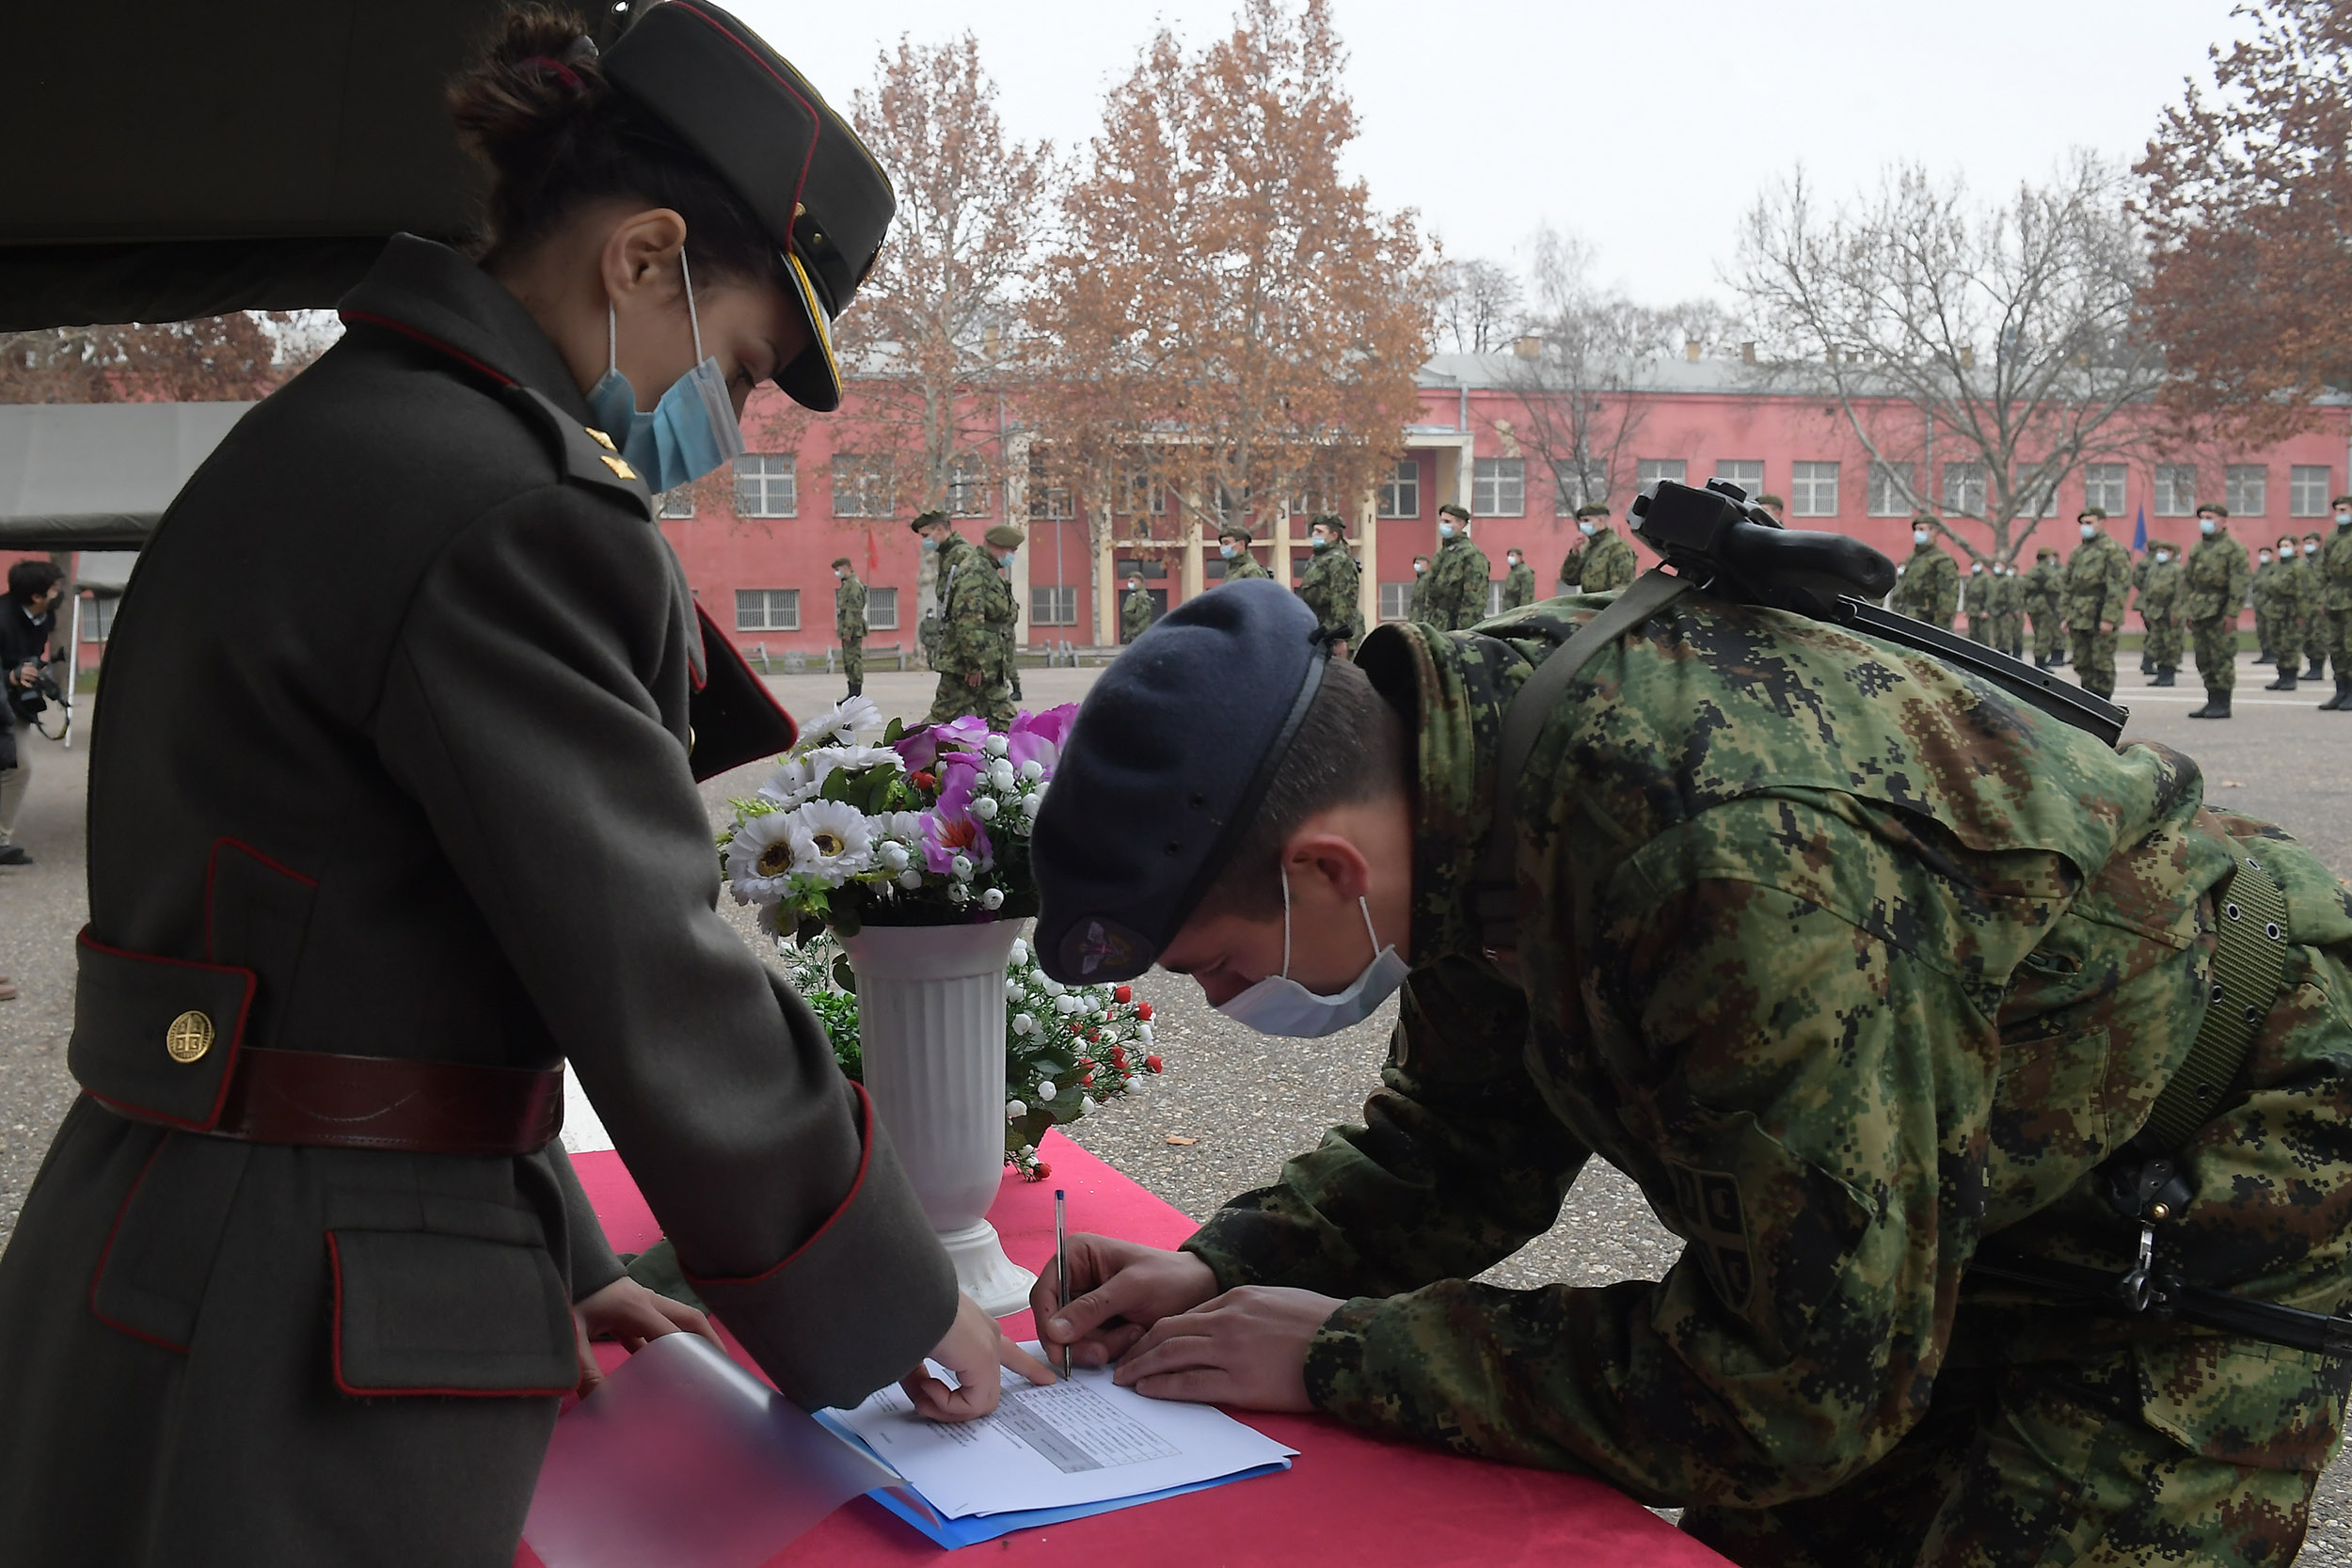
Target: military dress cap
<point>1591,508</point>
<point>781,148</point>
<point>924,519</point>
<point>1452,510</point>
<point>1005,537</point>
<point>1164,772</point>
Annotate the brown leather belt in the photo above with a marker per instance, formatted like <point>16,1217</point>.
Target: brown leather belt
<point>384,1102</point>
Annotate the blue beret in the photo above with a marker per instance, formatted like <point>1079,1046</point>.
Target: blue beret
<point>1172,753</point>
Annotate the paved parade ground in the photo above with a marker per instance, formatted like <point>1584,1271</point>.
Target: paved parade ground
<point>1232,1104</point>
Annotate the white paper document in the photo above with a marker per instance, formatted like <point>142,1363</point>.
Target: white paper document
<point>1081,1441</point>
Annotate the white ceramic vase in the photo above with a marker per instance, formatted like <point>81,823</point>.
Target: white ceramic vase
<point>931,1022</point>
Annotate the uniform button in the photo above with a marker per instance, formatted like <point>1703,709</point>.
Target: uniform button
<point>189,1037</point>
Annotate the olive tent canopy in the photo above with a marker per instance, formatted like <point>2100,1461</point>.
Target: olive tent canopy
<point>169,160</point>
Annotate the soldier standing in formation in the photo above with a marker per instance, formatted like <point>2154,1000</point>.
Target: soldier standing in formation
<point>1332,585</point>
<point>1233,543</point>
<point>1007,625</point>
<point>974,609</point>
<point>1981,602</point>
<point>2160,616</point>
<point>2263,592</point>
<point>2315,644</point>
<point>1135,611</point>
<point>2283,582</point>
<point>2097,584</point>
<point>1929,589</point>
<point>1518,579</point>
<point>2043,599</point>
<point>1609,563</point>
<point>2138,586</point>
<point>2011,616</point>
<point>2334,562</point>
<point>1863,994</point>
<point>1458,579</point>
<point>2214,584</point>
<point>1591,518</point>
<point>1417,601</point>
<point>848,622</point>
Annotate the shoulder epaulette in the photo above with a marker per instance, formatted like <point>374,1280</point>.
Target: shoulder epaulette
<point>587,457</point>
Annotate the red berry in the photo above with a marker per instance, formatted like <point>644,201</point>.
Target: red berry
<point>923,778</point>
<point>1124,994</point>
<point>1151,1063</point>
<point>1118,1055</point>
<point>1143,1011</point>
<point>1042,1171</point>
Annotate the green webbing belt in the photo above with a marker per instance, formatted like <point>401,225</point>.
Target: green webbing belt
<point>2249,960</point>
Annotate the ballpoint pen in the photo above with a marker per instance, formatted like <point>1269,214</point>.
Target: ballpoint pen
<point>1061,1262</point>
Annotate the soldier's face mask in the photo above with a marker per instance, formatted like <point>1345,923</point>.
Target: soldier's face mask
<point>2344,519</point>
<point>1445,531</point>
<point>1918,536</point>
<point>1227,551</point>
<point>1278,1005</point>
<point>1586,527</point>
<point>2207,526</point>
<point>2266,558</point>
<point>691,430</point>
<point>2089,530</point>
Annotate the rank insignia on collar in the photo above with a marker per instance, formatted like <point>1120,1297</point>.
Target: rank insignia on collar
<point>599,437</point>
<point>618,465</point>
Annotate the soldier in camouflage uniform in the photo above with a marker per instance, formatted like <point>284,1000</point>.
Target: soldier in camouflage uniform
<point>2265,594</point>
<point>848,622</point>
<point>2012,613</point>
<point>1333,586</point>
<point>1853,1030</point>
<point>2097,582</point>
<point>1135,611</point>
<point>1929,589</point>
<point>2213,589</point>
<point>2160,614</point>
<point>1519,581</point>
<point>2139,585</point>
<point>2042,604</point>
<point>1609,563</point>
<point>1417,602</point>
<point>1460,578</point>
<point>975,613</point>
<point>1980,600</point>
<point>1240,565</point>
<point>1591,518</point>
<point>2315,630</point>
<point>2281,582</point>
<point>2334,587</point>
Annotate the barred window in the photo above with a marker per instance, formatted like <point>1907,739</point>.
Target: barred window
<point>1813,489</point>
<point>2103,488</point>
<point>1649,472</point>
<point>766,609</point>
<point>1964,489</point>
<point>2176,489</point>
<point>881,610</point>
<point>1396,600</point>
<point>766,484</point>
<point>863,485</point>
<point>1499,487</point>
<point>1894,490</point>
<point>2307,490</point>
<point>1053,605</point>
<point>2244,489</point>
<point>1747,472</point>
<point>1400,493</point>
<point>967,487</point>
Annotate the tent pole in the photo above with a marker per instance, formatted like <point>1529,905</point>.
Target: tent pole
<point>73,668</point>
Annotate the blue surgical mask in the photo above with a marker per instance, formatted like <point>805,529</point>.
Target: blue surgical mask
<point>1586,527</point>
<point>1278,1005</point>
<point>1319,543</point>
<point>2089,529</point>
<point>2207,526</point>
<point>1918,536</point>
<point>691,430</point>
<point>1445,531</point>
<point>1228,552</point>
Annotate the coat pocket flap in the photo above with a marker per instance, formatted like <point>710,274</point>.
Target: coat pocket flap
<point>426,1312</point>
<point>157,1038</point>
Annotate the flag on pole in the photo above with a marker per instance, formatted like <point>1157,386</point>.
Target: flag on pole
<point>873,555</point>
<point>2140,529</point>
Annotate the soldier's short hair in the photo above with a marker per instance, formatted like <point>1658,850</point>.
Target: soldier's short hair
<point>1591,508</point>
<point>1350,747</point>
<point>1235,531</point>
<point>841,561</point>
<point>2341,500</point>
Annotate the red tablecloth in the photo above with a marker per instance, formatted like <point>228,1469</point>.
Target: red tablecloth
<point>1347,1499</point>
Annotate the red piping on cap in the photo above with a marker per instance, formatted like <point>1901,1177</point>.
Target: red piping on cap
<point>816,120</point>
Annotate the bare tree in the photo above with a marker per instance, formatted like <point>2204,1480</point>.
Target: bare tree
<point>1480,308</point>
<point>1994,339</point>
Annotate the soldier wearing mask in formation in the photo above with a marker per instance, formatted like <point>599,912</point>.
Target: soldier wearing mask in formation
<point>1518,579</point>
<point>2314,611</point>
<point>848,622</point>
<point>2160,614</point>
<point>2097,585</point>
<point>1980,601</point>
<point>1135,611</point>
<point>1459,576</point>
<point>2266,608</point>
<point>2286,583</point>
<point>2214,584</point>
<point>1233,544</point>
<point>1609,561</point>
<point>1417,601</point>
<point>1333,586</point>
<point>2042,600</point>
<point>2333,562</point>
<point>1929,587</point>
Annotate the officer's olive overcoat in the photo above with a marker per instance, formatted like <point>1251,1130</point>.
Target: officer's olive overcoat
<point>396,719</point>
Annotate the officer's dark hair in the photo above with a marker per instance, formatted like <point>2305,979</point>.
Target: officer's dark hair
<point>1350,747</point>
<point>535,109</point>
<point>30,580</point>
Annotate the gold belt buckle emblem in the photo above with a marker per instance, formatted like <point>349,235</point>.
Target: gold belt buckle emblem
<point>189,1037</point>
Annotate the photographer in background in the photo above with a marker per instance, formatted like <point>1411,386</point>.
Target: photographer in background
<point>28,621</point>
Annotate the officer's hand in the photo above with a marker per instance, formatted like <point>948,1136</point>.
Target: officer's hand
<point>973,680</point>
<point>1120,1288</point>
<point>974,1349</point>
<point>1247,1347</point>
<point>626,1312</point>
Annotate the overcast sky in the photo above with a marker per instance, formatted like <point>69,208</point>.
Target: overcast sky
<point>1645,127</point>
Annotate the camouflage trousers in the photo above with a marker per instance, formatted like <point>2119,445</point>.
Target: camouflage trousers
<point>2162,644</point>
<point>2267,627</point>
<point>2216,652</point>
<point>2332,638</point>
<point>2310,638</point>
<point>2030,1467</point>
<point>2009,634</point>
<point>992,701</point>
<point>2094,660</point>
<point>2049,636</point>
<point>853,663</point>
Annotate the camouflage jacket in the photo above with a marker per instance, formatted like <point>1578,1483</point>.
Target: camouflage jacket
<point>1135,614</point>
<point>2098,577</point>
<point>1518,586</point>
<point>1332,585</point>
<point>1849,963</point>
<point>1244,565</point>
<point>2293,588</point>
<point>2335,570</point>
<point>1929,587</point>
<point>1417,601</point>
<point>1457,586</point>
<point>2041,589</point>
<point>2161,593</point>
<point>849,610</point>
<point>2263,588</point>
<point>1609,563</point>
<point>2213,579</point>
<point>974,610</point>
<point>1572,569</point>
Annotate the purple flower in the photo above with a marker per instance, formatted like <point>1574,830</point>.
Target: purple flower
<point>920,749</point>
<point>1037,736</point>
<point>951,828</point>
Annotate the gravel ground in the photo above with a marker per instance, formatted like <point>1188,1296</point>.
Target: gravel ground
<point>1247,1102</point>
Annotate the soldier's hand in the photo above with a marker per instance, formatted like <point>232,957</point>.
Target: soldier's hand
<point>1119,1290</point>
<point>1247,1347</point>
<point>626,1312</point>
<point>973,1349</point>
<point>973,680</point>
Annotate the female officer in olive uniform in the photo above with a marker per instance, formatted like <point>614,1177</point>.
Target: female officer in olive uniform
<point>297,1282</point>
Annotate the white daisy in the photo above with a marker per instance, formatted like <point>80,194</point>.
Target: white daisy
<point>759,860</point>
<point>855,720</point>
<point>789,785</point>
<point>826,760</point>
<point>830,840</point>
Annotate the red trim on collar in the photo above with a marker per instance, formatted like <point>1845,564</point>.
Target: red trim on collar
<point>107,1251</point>
<point>865,1159</point>
<point>372,319</point>
<point>817,121</point>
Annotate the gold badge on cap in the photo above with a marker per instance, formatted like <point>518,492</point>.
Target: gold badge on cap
<point>618,465</point>
<point>189,1037</point>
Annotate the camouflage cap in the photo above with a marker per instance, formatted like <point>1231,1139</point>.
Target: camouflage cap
<point>1162,772</point>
